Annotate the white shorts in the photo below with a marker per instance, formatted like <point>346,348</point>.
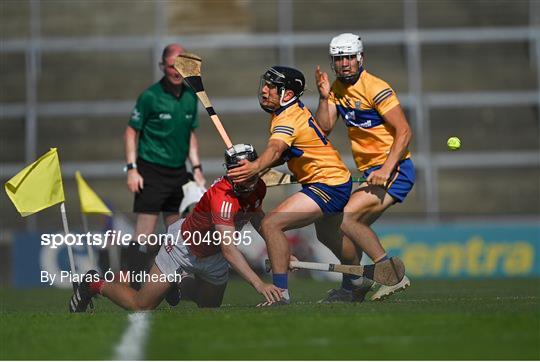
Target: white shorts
<point>175,257</point>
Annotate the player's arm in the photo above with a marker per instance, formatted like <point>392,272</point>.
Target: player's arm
<point>195,161</point>
<point>239,263</point>
<point>403,134</point>
<point>269,157</point>
<point>326,114</point>
<point>135,181</point>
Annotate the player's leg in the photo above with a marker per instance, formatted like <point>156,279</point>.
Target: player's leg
<point>384,291</point>
<point>208,295</point>
<point>205,294</point>
<point>353,288</point>
<point>148,297</point>
<point>328,232</point>
<point>202,292</point>
<point>368,202</point>
<point>332,200</point>
<point>296,211</point>
<point>207,287</point>
<point>366,205</point>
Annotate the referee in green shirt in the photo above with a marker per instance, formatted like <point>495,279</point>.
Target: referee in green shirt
<point>158,139</point>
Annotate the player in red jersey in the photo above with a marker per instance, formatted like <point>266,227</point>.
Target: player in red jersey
<point>198,250</point>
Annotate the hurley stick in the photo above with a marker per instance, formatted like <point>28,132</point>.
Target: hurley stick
<point>189,67</point>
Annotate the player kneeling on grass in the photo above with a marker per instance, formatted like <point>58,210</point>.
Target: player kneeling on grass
<point>203,263</point>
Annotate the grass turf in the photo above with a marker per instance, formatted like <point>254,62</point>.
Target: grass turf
<point>470,319</point>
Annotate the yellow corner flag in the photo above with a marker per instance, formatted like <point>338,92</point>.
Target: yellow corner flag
<point>90,201</point>
<point>38,186</point>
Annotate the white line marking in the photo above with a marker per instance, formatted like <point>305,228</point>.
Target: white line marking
<point>131,346</point>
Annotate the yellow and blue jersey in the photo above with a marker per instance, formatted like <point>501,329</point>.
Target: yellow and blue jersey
<point>362,106</point>
<point>310,156</point>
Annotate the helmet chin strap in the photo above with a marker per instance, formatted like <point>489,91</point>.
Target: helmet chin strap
<point>281,102</point>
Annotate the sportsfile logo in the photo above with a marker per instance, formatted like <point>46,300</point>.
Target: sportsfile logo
<point>119,238</point>
<point>110,237</point>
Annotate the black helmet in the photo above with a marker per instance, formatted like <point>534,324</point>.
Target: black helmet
<point>233,156</point>
<point>284,78</point>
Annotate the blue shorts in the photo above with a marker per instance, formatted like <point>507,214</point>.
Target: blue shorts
<point>401,181</point>
<point>331,199</point>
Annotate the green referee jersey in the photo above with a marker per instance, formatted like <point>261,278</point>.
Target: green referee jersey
<point>164,123</point>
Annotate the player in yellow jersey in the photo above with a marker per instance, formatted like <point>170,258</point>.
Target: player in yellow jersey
<point>296,138</point>
<point>379,135</point>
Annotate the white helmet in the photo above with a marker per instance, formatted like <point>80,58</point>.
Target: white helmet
<point>346,44</point>
<point>343,45</point>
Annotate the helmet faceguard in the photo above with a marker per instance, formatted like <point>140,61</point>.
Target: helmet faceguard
<point>346,46</point>
<point>233,156</point>
<point>283,78</point>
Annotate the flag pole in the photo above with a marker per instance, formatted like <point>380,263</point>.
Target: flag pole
<point>70,251</point>
<point>89,248</point>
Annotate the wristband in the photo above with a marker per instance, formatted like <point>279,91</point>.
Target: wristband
<point>130,166</point>
<point>199,166</point>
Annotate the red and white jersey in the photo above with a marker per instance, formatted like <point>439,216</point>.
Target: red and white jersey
<point>220,206</point>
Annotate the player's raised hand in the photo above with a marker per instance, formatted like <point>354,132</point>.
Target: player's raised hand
<point>135,181</point>
<point>323,83</point>
<point>270,292</point>
<point>244,172</point>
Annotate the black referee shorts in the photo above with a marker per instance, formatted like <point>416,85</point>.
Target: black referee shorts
<point>162,191</point>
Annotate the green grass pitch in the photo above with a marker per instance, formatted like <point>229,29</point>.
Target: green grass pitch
<point>470,319</point>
